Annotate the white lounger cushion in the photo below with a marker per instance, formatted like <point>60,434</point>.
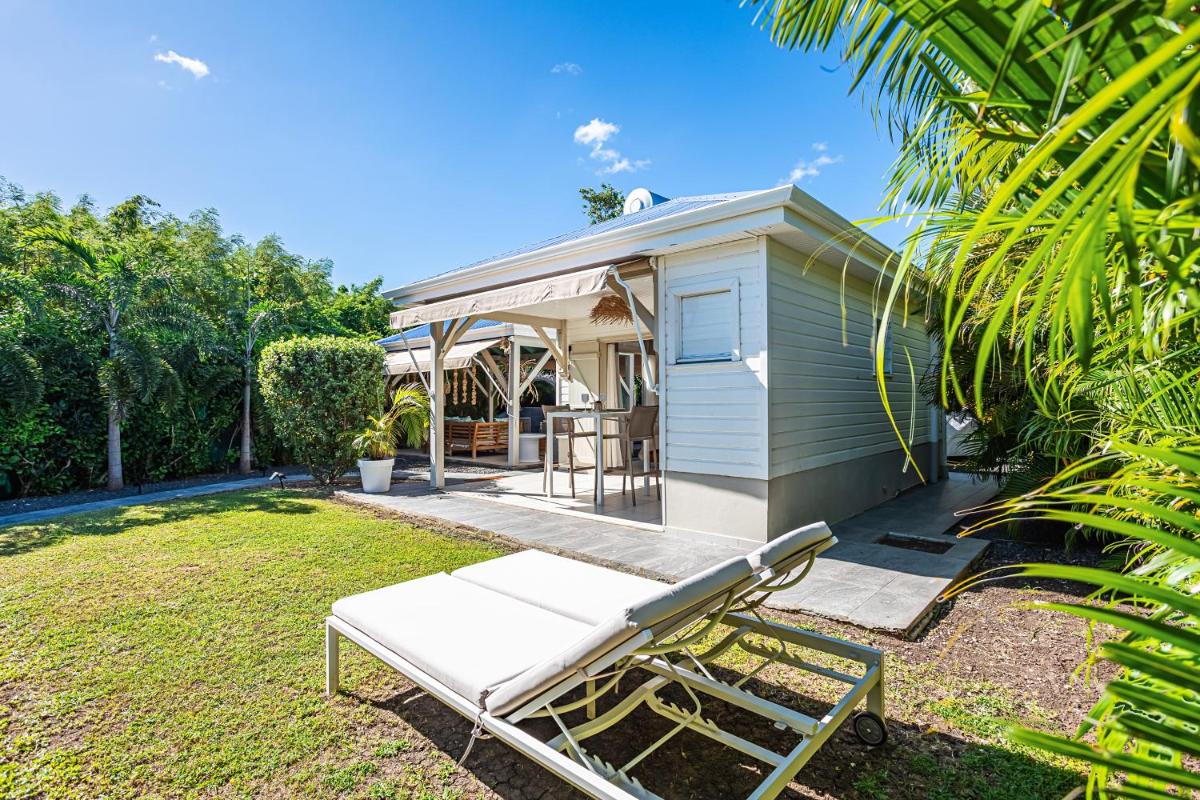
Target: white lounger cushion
<point>777,551</point>
<point>581,591</point>
<point>465,636</point>
<point>500,651</point>
<point>703,590</point>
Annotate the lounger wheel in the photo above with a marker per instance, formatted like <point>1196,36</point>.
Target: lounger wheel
<point>869,728</point>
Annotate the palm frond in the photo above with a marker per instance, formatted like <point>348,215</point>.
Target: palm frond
<point>21,383</point>
<point>66,240</point>
<point>409,412</point>
<point>1049,155</point>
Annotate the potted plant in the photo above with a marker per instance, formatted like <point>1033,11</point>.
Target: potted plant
<point>408,418</point>
<point>410,414</point>
<point>376,447</point>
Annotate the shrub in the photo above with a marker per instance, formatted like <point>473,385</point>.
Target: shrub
<point>317,392</point>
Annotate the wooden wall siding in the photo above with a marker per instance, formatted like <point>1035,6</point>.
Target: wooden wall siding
<point>824,403</point>
<point>715,413</point>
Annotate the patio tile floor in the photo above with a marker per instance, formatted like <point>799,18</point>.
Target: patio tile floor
<point>859,580</point>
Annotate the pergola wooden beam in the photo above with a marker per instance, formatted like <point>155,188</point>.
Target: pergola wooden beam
<point>533,373</point>
<point>552,346</point>
<point>494,380</point>
<point>456,331</point>
<point>638,307</point>
<point>498,377</point>
<point>442,336</point>
<point>437,404</point>
<point>514,401</point>
<point>523,319</point>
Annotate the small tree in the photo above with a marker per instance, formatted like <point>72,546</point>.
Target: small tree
<point>602,204</point>
<point>317,392</point>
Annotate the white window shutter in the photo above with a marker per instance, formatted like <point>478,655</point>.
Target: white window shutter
<point>706,327</point>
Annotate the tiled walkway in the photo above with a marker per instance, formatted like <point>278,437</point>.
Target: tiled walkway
<point>859,580</point>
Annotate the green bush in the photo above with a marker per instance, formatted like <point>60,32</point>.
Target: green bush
<point>317,392</point>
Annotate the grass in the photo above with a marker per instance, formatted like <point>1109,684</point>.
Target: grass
<point>177,651</point>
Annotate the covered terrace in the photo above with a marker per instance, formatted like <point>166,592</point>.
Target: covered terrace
<point>512,335</point>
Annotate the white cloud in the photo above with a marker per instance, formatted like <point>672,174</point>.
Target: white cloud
<point>806,168</point>
<point>596,132</point>
<point>567,67</point>
<point>153,38</point>
<point>595,135</point>
<point>623,164</point>
<point>193,65</point>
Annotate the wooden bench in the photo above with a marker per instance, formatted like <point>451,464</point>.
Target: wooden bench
<point>476,436</point>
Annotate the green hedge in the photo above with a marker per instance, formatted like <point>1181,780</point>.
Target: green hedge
<point>318,392</point>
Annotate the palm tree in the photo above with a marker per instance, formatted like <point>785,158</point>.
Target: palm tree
<point>1049,152</point>
<point>114,294</point>
<point>270,295</point>
<point>257,321</point>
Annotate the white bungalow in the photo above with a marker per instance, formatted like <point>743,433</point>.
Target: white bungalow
<point>755,319</point>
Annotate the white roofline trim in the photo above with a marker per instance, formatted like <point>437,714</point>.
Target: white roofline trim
<point>548,261</point>
<point>631,232</point>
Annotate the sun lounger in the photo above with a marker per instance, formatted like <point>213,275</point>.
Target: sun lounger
<point>508,640</point>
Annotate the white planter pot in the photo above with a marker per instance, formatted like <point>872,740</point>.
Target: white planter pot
<point>376,474</point>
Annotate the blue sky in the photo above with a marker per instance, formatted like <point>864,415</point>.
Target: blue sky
<point>405,139</point>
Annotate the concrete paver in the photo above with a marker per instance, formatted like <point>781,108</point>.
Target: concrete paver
<point>859,580</point>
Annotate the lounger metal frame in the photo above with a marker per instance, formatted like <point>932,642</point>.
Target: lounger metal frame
<point>735,615</point>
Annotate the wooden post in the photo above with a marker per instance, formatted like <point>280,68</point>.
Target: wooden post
<point>564,369</point>
<point>514,402</point>
<point>557,382</point>
<point>437,397</point>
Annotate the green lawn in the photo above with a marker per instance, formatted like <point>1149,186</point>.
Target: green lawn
<point>177,651</point>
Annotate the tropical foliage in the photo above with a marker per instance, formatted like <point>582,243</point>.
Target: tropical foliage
<point>126,301</point>
<point>410,415</point>
<point>150,322</point>
<point>317,391</point>
<point>1050,155</point>
<point>405,422</point>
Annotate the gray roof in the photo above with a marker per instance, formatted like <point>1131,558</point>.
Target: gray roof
<point>668,208</point>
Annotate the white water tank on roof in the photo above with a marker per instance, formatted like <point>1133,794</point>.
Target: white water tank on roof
<point>641,199</point>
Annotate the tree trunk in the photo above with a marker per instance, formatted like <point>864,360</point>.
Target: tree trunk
<point>116,478</point>
<point>244,461</point>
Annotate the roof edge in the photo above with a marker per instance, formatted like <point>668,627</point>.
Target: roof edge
<point>748,202</point>
<point>865,247</point>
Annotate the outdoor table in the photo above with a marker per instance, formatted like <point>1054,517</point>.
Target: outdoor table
<point>527,451</point>
<point>597,418</point>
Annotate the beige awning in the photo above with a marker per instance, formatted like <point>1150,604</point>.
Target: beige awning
<point>562,287</point>
<point>401,363</point>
